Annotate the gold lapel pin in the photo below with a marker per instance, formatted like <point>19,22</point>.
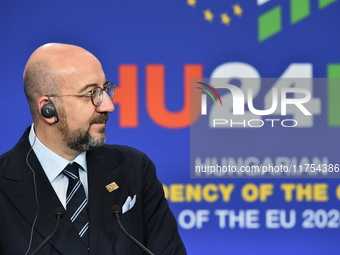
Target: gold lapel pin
<point>112,186</point>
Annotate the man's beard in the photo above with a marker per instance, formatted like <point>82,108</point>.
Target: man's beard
<point>81,139</point>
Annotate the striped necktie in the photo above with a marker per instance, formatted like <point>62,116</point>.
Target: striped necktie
<point>76,201</point>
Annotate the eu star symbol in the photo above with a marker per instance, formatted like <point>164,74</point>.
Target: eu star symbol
<point>208,15</point>
<point>192,3</point>
<point>225,19</point>
<point>237,10</point>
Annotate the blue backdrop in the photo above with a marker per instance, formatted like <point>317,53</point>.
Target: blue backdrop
<point>151,49</point>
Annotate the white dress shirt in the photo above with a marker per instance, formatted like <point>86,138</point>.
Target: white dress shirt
<point>54,164</point>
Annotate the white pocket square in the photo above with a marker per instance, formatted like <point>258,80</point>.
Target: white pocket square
<point>129,203</point>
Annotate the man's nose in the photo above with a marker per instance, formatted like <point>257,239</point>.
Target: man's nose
<point>106,105</point>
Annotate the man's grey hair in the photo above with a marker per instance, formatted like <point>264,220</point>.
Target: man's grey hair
<point>39,80</point>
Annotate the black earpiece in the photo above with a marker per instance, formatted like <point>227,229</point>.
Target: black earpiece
<point>49,111</point>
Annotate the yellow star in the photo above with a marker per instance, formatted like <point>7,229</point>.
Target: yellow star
<point>208,15</point>
<point>237,10</point>
<point>192,3</point>
<point>225,19</point>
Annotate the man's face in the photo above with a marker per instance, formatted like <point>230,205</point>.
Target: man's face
<point>81,124</point>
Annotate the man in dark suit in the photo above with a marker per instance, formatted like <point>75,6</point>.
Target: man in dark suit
<point>70,99</point>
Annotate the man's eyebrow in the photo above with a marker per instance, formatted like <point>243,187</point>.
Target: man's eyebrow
<point>94,85</point>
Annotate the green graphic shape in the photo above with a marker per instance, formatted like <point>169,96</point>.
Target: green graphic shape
<point>299,9</point>
<point>208,92</point>
<point>325,3</point>
<point>269,23</point>
<point>333,95</point>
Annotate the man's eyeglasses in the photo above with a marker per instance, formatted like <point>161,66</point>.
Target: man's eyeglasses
<point>96,94</point>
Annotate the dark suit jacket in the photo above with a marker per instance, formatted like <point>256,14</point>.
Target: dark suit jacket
<point>150,220</point>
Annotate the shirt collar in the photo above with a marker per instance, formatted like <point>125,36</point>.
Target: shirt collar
<point>51,162</point>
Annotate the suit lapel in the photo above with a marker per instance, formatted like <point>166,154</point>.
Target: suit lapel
<point>20,189</point>
<point>103,170</point>
<point>67,239</point>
